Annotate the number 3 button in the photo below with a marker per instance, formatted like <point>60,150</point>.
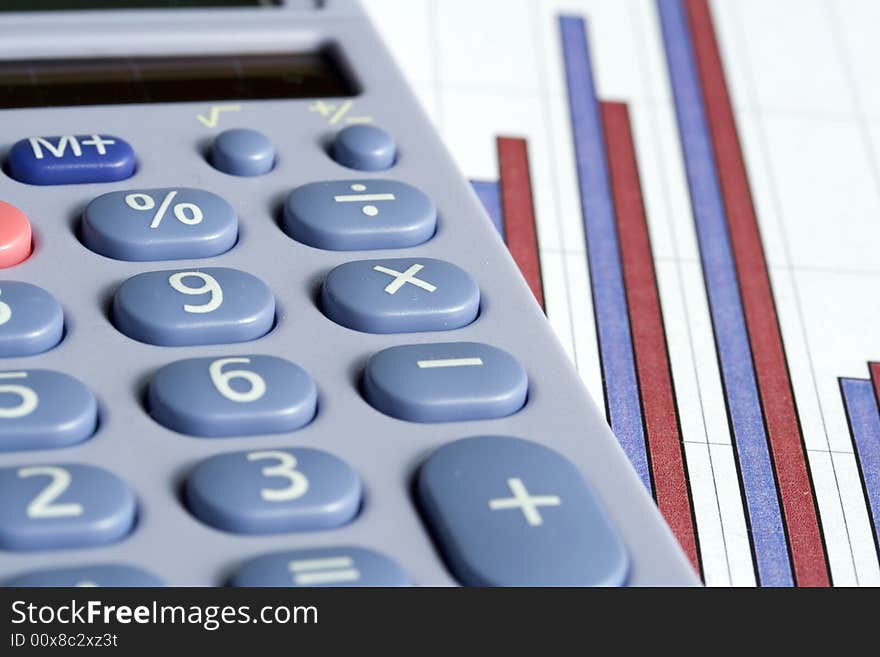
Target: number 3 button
<point>205,306</point>
<point>271,491</point>
<point>63,506</point>
<point>234,396</point>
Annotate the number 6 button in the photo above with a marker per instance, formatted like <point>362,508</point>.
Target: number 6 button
<point>235,396</point>
<point>204,306</point>
<point>274,490</point>
<point>63,506</point>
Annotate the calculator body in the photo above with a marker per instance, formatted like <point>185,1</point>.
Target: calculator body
<point>170,141</point>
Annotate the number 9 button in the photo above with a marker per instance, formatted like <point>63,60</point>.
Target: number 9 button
<point>205,306</point>
<point>274,490</point>
<point>63,506</point>
<point>234,396</point>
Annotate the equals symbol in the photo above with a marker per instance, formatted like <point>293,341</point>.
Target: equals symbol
<point>369,210</point>
<point>311,572</point>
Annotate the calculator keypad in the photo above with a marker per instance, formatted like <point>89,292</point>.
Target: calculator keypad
<point>159,224</point>
<point>63,506</point>
<point>510,512</point>
<point>31,320</point>
<point>110,575</point>
<point>71,159</point>
<point>274,490</point>
<point>233,396</point>
<point>503,511</point>
<point>353,215</point>
<point>445,382</point>
<point>15,235</point>
<point>339,566</point>
<point>209,305</point>
<point>400,295</point>
<point>42,409</point>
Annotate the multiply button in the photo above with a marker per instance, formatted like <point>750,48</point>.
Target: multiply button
<point>354,215</point>
<point>88,576</point>
<point>159,224</point>
<point>400,295</point>
<point>509,512</point>
<point>339,566</point>
<point>189,307</point>
<point>233,396</point>
<point>274,490</point>
<point>63,506</point>
<point>70,159</point>
<point>31,319</point>
<point>15,235</point>
<point>445,382</point>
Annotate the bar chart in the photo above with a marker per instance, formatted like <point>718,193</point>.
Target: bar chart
<point>860,398</point>
<point>659,203</point>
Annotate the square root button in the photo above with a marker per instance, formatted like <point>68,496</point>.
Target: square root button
<point>400,295</point>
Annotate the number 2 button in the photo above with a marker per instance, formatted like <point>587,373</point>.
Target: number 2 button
<point>204,306</point>
<point>274,490</point>
<point>63,506</point>
<point>235,396</point>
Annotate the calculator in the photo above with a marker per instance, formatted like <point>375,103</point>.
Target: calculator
<point>256,329</point>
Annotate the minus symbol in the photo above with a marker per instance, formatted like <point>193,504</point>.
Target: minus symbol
<point>449,362</point>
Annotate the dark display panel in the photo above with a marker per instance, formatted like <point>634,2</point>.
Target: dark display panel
<point>57,83</point>
<point>72,5</point>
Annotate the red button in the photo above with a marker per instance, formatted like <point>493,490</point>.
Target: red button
<point>15,235</point>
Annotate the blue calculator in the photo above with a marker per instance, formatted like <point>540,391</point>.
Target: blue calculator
<point>255,329</point>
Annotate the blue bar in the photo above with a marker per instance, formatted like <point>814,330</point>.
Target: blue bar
<point>719,273</point>
<point>489,194</point>
<point>603,252</point>
<point>864,422</point>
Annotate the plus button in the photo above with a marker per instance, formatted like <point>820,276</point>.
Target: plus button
<point>521,500</point>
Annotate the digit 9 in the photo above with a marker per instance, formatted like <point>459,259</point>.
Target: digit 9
<point>209,286</point>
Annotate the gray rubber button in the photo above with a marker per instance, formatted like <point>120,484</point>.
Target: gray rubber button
<point>355,215</point>
<point>243,152</point>
<point>400,295</point>
<point>364,147</point>
<point>445,382</point>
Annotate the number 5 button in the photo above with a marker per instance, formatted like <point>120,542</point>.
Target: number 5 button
<point>41,409</point>
<point>63,506</point>
<point>274,490</point>
<point>234,396</point>
<point>203,306</point>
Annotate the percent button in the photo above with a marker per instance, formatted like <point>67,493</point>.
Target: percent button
<point>159,224</point>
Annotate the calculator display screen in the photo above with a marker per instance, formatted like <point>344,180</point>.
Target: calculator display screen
<point>69,5</point>
<point>56,83</point>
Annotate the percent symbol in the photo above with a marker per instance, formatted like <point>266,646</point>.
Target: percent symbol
<point>186,213</point>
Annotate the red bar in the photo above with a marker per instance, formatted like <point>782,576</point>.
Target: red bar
<point>771,369</point>
<point>519,211</point>
<point>668,467</point>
